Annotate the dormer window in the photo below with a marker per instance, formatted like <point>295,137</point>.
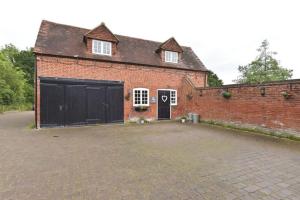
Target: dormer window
<point>101,47</point>
<point>171,56</point>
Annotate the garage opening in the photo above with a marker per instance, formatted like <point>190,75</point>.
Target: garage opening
<point>67,102</point>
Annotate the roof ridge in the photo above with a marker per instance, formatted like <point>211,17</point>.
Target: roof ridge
<point>65,25</point>
<point>137,38</point>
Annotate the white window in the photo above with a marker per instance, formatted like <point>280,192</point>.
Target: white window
<point>140,97</point>
<point>101,47</point>
<point>171,56</point>
<point>173,99</point>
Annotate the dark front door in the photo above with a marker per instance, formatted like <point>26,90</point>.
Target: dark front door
<point>52,104</point>
<point>163,104</point>
<point>78,102</point>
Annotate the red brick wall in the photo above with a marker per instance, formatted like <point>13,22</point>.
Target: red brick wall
<point>133,76</point>
<point>247,105</point>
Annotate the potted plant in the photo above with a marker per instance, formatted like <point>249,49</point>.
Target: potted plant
<point>189,96</point>
<point>183,119</point>
<point>141,108</point>
<point>127,96</point>
<point>286,95</point>
<point>142,120</point>
<point>226,94</point>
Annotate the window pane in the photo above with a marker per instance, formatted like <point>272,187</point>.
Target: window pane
<point>171,56</point>
<point>173,97</point>
<point>104,47</point>
<point>109,48</point>
<point>101,47</point>
<point>144,97</point>
<point>175,57</point>
<point>140,97</point>
<point>137,95</point>
<point>96,46</point>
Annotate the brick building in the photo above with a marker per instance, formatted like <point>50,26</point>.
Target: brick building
<point>95,76</point>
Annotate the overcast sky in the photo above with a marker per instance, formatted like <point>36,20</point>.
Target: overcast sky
<point>224,34</point>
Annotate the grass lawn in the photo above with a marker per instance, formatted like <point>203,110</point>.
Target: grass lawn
<point>16,107</point>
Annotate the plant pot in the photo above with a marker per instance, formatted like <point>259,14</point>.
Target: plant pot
<point>183,121</point>
<point>140,109</point>
<point>142,121</point>
<point>286,95</point>
<point>226,94</point>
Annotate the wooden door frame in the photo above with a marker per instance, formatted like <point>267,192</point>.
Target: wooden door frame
<point>157,102</point>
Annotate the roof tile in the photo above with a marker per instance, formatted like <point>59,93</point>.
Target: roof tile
<point>64,40</point>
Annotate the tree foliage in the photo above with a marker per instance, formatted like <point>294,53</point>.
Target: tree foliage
<point>264,68</point>
<point>16,77</point>
<point>213,80</point>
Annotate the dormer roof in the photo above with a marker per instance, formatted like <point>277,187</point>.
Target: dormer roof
<point>171,45</point>
<point>101,32</point>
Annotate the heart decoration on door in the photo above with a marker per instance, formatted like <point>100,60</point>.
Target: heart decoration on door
<point>164,98</point>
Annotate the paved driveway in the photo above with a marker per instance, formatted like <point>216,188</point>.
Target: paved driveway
<point>157,161</point>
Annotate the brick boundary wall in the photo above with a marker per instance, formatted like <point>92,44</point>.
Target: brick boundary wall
<point>247,105</point>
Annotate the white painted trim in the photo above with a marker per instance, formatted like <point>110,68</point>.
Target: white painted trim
<point>171,53</point>
<point>171,90</point>
<point>133,97</point>
<point>102,42</point>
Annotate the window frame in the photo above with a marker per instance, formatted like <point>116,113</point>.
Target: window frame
<point>140,97</point>
<point>171,56</point>
<point>102,43</point>
<point>171,103</point>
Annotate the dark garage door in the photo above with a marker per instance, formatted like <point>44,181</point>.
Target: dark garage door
<point>78,102</point>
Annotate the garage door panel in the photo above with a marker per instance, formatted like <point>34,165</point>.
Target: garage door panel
<point>96,104</point>
<point>52,102</point>
<point>78,102</point>
<point>75,105</point>
<point>115,101</point>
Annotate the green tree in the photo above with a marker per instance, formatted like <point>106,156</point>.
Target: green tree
<point>24,61</point>
<point>12,82</point>
<point>213,80</point>
<point>264,68</point>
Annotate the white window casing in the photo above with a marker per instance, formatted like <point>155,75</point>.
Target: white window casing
<point>173,97</point>
<point>140,97</point>
<point>101,47</point>
<point>171,56</point>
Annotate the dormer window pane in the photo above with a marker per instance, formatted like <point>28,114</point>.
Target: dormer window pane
<point>101,47</point>
<point>171,56</point>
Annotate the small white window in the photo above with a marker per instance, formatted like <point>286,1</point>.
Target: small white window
<point>173,98</point>
<point>101,47</point>
<point>140,97</point>
<point>171,56</point>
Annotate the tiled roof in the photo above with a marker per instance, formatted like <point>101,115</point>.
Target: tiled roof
<point>68,41</point>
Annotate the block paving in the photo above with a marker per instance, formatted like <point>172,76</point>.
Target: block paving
<point>165,160</point>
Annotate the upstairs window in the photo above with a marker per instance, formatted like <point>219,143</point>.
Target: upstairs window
<point>173,98</point>
<point>140,97</point>
<point>101,47</point>
<point>171,56</point>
